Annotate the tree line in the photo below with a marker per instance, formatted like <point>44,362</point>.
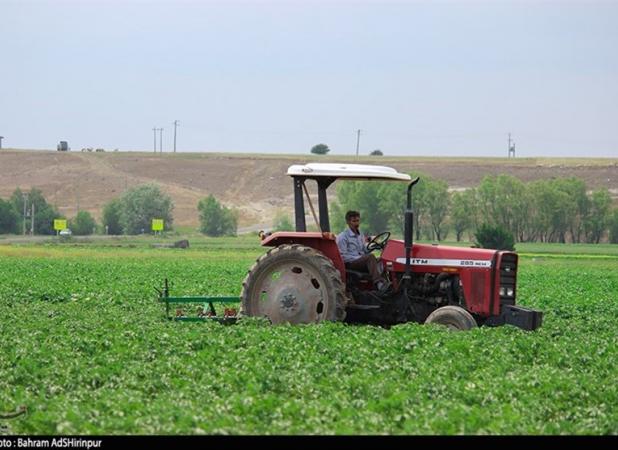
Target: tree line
<point>131,213</point>
<point>556,210</point>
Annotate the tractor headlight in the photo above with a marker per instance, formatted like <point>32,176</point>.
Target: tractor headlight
<point>501,292</point>
<point>509,292</point>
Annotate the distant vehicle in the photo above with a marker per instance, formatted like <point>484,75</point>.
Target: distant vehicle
<point>99,150</point>
<point>65,232</point>
<point>63,146</point>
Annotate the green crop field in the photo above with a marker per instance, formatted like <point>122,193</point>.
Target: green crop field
<point>86,349</point>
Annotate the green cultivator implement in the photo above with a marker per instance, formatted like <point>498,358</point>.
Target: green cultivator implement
<point>204,307</point>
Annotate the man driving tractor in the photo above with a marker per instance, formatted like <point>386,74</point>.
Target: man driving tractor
<point>354,251</point>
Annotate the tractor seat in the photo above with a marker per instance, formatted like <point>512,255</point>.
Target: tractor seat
<point>357,276</point>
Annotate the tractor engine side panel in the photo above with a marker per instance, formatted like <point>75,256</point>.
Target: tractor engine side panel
<point>475,268</point>
<point>476,284</point>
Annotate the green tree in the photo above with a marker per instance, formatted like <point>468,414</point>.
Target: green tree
<point>548,210</point>
<point>44,213</point>
<point>393,201</point>
<point>382,205</point>
<point>577,206</point>
<point>17,200</point>
<point>598,219</point>
<point>9,218</point>
<point>282,222</point>
<point>502,200</point>
<point>216,219</point>
<point>420,204</point>
<point>111,217</point>
<point>44,220</point>
<point>320,149</point>
<point>376,152</point>
<point>365,197</point>
<point>387,204</point>
<point>462,211</point>
<point>613,226</point>
<point>83,224</point>
<point>437,203</point>
<point>561,213</point>
<point>141,204</point>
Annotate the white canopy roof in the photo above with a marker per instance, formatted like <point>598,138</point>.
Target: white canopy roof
<point>348,171</point>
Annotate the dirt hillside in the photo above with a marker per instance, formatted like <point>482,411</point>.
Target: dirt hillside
<point>255,184</point>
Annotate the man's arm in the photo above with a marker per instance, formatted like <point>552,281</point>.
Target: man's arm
<point>366,239</point>
<point>343,242</point>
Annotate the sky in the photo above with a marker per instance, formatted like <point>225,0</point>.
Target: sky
<point>418,78</point>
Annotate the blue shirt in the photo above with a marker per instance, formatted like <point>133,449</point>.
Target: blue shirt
<point>351,245</point>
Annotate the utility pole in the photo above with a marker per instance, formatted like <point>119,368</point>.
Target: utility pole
<point>358,132</point>
<point>25,197</point>
<point>160,140</point>
<point>511,147</point>
<point>175,125</point>
<point>154,131</point>
<point>32,221</point>
<point>1,137</point>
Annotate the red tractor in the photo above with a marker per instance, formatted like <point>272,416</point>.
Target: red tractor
<point>303,278</point>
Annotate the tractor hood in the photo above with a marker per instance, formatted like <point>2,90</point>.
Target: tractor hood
<point>439,256</point>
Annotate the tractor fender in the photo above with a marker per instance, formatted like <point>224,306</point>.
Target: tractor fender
<point>323,242</point>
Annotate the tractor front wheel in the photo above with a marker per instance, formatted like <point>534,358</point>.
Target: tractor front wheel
<point>295,284</point>
<point>454,317</point>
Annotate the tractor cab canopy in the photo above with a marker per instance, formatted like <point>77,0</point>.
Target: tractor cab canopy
<point>325,174</point>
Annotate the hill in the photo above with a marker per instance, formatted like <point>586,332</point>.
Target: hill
<point>255,184</point>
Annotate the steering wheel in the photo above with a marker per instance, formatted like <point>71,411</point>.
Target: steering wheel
<point>379,241</point>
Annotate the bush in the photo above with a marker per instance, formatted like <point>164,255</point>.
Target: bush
<point>494,237</point>
<point>111,217</point>
<point>320,149</point>
<point>215,219</point>
<point>141,204</point>
<point>83,224</point>
<point>376,152</point>
<point>8,217</point>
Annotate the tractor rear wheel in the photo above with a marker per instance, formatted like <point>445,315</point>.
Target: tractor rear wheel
<point>295,284</point>
<point>454,317</point>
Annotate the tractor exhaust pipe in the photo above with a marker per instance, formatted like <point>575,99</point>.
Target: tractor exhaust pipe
<point>404,308</point>
<point>408,229</point>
